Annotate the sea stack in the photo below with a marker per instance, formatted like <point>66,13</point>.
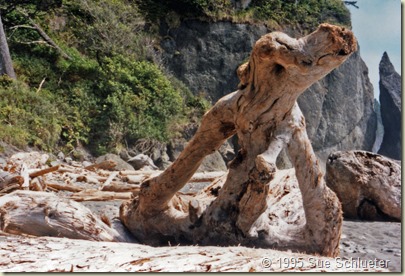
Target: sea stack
<point>390,99</point>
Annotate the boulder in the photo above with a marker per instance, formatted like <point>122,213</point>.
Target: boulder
<point>121,164</point>
<point>367,184</point>
<point>142,162</point>
<point>211,163</point>
<point>390,99</point>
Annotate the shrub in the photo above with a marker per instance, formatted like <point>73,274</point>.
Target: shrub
<point>28,118</point>
<point>141,102</point>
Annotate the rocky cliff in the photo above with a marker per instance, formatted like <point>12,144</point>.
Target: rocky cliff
<point>338,109</point>
<point>390,99</point>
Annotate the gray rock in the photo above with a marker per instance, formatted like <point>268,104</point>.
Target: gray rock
<point>227,152</point>
<point>390,99</point>
<point>213,162</point>
<point>124,154</point>
<point>121,164</point>
<point>142,161</point>
<point>339,109</point>
<point>61,155</point>
<point>367,184</point>
<point>160,157</point>
<point>86,163</point>
<point>68,160</point>
<point>56,162</point>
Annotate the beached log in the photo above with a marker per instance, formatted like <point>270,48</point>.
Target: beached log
<point>10,188</point>
<point>44,171</point>
<point>45,214</point>
<point>37,184</point>
<point>97,195</point>
<point>64,187</point>
<point>116,186</point>
<point>264,115</point>
<point>91,179</point>
<point>7,179</point>
<point>109,180</point>
<point>138,177</point>
<point>47,254</point>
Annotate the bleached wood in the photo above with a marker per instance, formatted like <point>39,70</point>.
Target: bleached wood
<point>7,178</point>
<point>45,214</point>
<point>264,115</point>
<point>43,171</point>
<point>97,195</point>
<point>64,187</point>
<point>47,254</point>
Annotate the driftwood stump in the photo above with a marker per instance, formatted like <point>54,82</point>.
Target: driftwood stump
<point>264,115</point>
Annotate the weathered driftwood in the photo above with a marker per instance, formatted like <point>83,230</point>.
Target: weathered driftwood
<point>7,179</point>
<point>137,177</point>
<point>45,214</point>
<point>97,195</point>
<point>367,184</point>
<point>44,171</point>
<point>47,254</point>
<point>265,116</point>
<point>121,187</point>
<point>64,187</point>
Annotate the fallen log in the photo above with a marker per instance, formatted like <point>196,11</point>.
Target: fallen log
<point>7,178</point>
<point>45,214</point>
<point>44,171</point>
<point>121,187</point>
<point>97,195</point>
<point>139,177</point>
<point>47,254</point>
<point>64,187</point>
<point>109,180</point>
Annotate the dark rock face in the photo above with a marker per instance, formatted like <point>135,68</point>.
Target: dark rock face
<point>367,184</point>
<point>390,99</point>
<point>338,109</point>
<point>205,55</point>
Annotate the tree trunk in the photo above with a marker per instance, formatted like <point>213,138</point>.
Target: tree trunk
<point>45,214</point>
<point>6,65</point>
<point>46,254</point>
<point>264,115</point>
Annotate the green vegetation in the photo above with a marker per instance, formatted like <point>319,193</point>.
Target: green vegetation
<point>108,93</point>
<point>305,13</point>
<point>103,85</point>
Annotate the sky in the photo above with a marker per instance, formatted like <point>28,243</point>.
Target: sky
<point>377,27</point>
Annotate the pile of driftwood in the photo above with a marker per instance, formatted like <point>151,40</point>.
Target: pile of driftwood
<point>75,180</point>
<point>40,198</point>
<point>39,202</point>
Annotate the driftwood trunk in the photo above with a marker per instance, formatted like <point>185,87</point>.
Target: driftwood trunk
<point>45,254</point>
<point>45,214</point>
<point>264,115</point>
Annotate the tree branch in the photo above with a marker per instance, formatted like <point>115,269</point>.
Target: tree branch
<point>42,33</point>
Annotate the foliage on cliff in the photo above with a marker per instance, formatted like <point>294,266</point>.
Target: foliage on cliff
<point>107,89</point>
<point>95,78</point>
<point>308,14</point>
